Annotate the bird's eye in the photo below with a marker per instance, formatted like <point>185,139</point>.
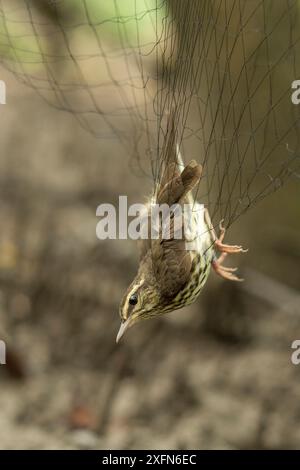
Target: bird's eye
<point>133,299</point>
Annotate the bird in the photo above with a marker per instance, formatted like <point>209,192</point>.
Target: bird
<point>173,270</point>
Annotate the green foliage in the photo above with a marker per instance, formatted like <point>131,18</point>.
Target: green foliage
<point>122,23</point>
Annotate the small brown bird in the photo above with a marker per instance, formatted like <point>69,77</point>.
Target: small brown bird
<point>172,272</point>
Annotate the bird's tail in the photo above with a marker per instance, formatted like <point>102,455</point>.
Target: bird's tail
<point>177,180</point>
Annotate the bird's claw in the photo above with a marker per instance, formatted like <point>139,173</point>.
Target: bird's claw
<point>223,248</point>
<point>223,271</point>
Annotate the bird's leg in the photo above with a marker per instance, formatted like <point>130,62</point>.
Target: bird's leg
<point>223,271</point>
<point>218,241</point>
<point>226,273</point>
<point>226,248</point>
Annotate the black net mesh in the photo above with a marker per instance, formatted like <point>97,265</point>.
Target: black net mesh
<point>225,67</point>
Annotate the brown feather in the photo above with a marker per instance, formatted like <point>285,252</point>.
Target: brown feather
<point>171,261</point>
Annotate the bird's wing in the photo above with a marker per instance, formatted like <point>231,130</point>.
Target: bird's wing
<point>175,183</point>
<point>172,263</point>
<point>175,190</point>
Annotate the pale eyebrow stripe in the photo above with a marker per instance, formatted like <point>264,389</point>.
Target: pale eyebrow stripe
<point>138,285</point>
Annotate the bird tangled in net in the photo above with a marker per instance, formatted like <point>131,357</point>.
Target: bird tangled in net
<point>175,264</point>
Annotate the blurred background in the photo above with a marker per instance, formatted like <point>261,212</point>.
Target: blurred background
<point>214,375</point>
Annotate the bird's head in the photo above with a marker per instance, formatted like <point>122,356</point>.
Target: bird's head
<point>140,302</point>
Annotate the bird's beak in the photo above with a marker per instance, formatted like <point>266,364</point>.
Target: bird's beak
<point>123,327</point>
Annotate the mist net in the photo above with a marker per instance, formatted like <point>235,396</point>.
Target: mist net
<point>225,67</point>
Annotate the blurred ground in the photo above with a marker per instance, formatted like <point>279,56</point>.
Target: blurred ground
<point>215,375</point>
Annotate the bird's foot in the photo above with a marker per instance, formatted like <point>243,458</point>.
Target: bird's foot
<point>223,271</point>
<point>226,248</point>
